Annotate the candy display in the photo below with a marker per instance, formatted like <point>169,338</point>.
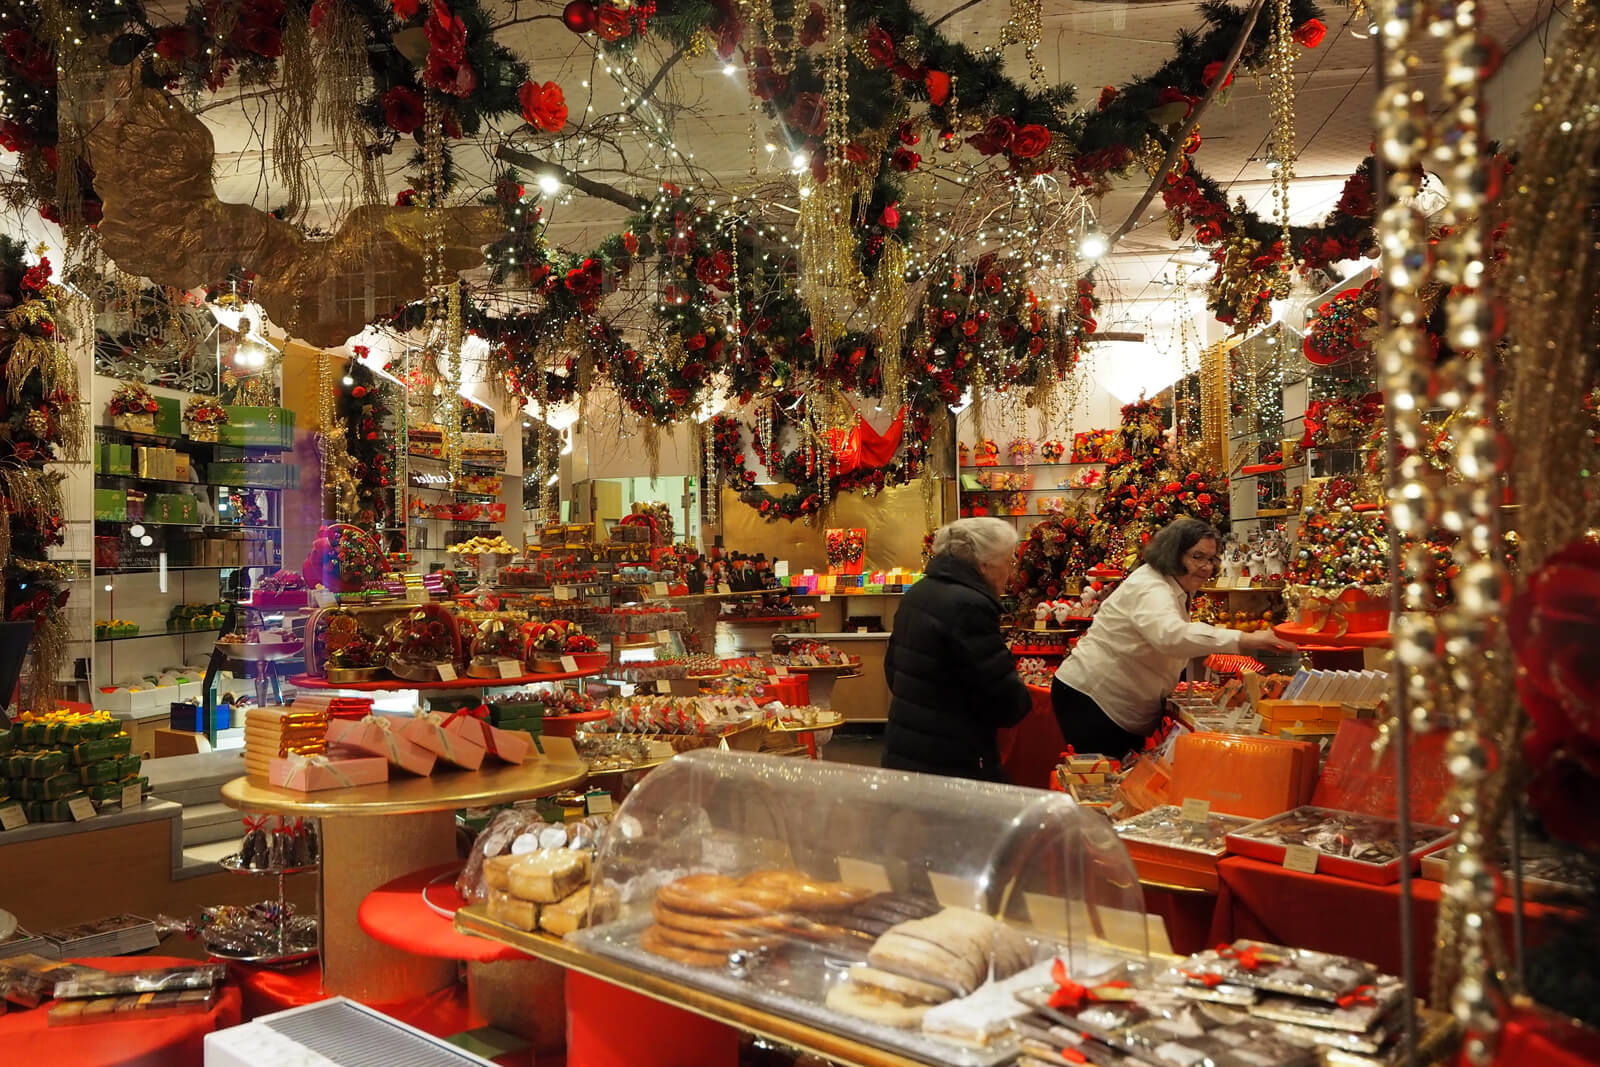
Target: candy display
<point>421,641</point>
<point>791,653</point>
<point>278,843</point>
<point>268,930</point>
<point>494,642</point>
<point>50,760</point>
<point>1359,847</point>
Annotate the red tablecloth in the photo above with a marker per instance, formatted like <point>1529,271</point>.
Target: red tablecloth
<point>174,1041</point>
<point>396,914</point>
<point>1266,902</point>
<point>1030,750</point>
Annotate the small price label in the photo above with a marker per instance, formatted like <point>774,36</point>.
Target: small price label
<point>783,672</point>
<point>1041,627</point>
<point>663,636</point>
<point>12,816</point>
<point>1300,858</point>
<point>132,796</point>
<point>723,588</point>
<point>864,874</point>
<point>510,668</point>
<point>1196,810</point>
<point>826,597</point>
<point>447,672</point>
<point>660,588</point>
<point>563,592</point>
<point>81,808</point>
<point>599,804</point>
<point>569,664</point>
<point>861,629</point>
<point>780,568</point>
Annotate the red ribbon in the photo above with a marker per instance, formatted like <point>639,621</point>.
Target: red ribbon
<point>1359,995</point>
<point>1070,994</point>
<point>255,822</point>
<point>1249,959</point>
<point>480,715</point>
<point>1208,979</point>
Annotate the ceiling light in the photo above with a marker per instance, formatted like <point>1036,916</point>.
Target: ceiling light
<point>1093,245</point>
<point>550,184</point>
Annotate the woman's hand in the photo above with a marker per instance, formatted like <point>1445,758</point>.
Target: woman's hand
<point>1263,641</point>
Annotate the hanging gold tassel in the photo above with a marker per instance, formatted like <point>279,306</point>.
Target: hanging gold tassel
<point>291,137</point>
<point>47,658</point>
<point>652,447</point>
<point>889,298</point>
<point>341,76</point>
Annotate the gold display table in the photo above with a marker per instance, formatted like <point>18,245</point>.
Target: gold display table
<point>373,834</point>
<point>798,1035</point>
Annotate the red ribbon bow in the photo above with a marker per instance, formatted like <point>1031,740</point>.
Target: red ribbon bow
<point>1359,995</point>
<point>1072,996</point>
<point>1249,959</point>
<point>479,714</point>
<point>1209,979</point>
<point>255,822</point>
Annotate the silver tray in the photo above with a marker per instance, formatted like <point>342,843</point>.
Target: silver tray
<point>265,961</point>
<point>231,863</point>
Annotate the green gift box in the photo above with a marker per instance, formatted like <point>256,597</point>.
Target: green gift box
<point>86,752</point>
<point>260,427</point>
<point>94,773</point>
<point>34,810</point>
<point>169,416</point>
<point>8,740</point>
<point>45,764</point>
<point>120,745</point>
<point>110,505</point>
<point>500,714</point>
<point>127,765</point>
<point>58,810</point>
<point>533,725</point>
<point>58,785</point>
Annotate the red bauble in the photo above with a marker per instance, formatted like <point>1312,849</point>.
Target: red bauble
<point>579,16</point>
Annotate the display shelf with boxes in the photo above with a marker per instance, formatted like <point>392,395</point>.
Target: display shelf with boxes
<point>806,898</point>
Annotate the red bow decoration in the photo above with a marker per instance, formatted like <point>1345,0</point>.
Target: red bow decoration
<point>1072,996</point>
<point>255,822</point>
<point>1361,994</point>
<point>479,714</point>
<point>1208,979</point>
<point>1249,959</point>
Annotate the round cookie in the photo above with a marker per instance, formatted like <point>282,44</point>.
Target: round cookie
<point>717,943</point>
<point>749,926</point>
<point>806,894</point>
<point>850,999</point>
<point>654,943</point>
<point>719,895</point>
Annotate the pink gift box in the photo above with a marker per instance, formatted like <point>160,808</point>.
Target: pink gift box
<point>307,775</point>
<point>459,749</point>
<point>512,746</point>
<point>366,735</point>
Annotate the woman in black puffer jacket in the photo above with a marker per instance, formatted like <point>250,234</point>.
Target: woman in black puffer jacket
<point>953,681</point>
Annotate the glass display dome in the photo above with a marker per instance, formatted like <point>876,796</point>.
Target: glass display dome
<point>904,910</point>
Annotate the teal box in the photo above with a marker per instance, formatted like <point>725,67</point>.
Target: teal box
<point>258,427</point>
<point>169,416</point>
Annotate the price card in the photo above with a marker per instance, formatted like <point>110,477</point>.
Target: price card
<point>809,572</point>
<point>951,891</point>
<point>563,592</point>
<point>81,808</point>
<point>569,664</point>
<point>599,803</point>
<point>659,750</point>
<point>861,629</point>
<point>780,568</point>
<point>1196,810</point>
<point>447,672</point>
<point>12,816</point>
<point>510,668</point>
<point>864,873</point>
<point>826,597</point>
<point>723,588</point>
<point>1300,858</point>
<point>783,672</point>
<point>659,588</point>
<point>132,796</point>
<point>663,636</point>
<point>1041,627</point>
<point>1047,912</point>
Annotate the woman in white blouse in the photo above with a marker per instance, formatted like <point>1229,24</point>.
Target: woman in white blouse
<point>1110,690</point>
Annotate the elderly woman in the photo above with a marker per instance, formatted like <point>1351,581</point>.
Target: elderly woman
<point>953,681</point>
<point>1110,690</point>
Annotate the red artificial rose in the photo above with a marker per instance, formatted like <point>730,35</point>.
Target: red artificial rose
<point>1030,141</point>
<point>584,280</point>
<point>1356,198</point>
<point>174,43</point>
<point>1310,32</point>
<point>1565,791</point>
<point>855,153</point>
<point>907,133</point>
<point>904,160</point>
<point>406,198</point>
<point>938,83</point>
<point>31,59</point>
<point>1208,232</point>
<point>359,391</point>
<point>809,113</point>
<point>1107,94</point>
<point>891,216</point>
<point>630,243</point>
<point>263,40</point>
<point>1213,69</point>
<point>447,69</point>
<point>544,106</point>
<point>766,82</point>
<point>996,136</point>
<point>715,270</point>
<point>812,28</point>
<point>880,46</point>
<point>611,24</point>
<point>406,10</point>
<point>1555,625</point>
<point>402,109</point>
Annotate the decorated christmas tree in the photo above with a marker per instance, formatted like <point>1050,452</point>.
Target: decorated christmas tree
<point>1148,482</point>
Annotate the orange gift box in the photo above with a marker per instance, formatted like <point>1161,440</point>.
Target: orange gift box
<point>512,746</point>
<point>1276,713</point>
<point>1146,785</point>
<point>308,774</point>
<point>427,731</point>
<point>377,737</point>
<point>1251,776</point>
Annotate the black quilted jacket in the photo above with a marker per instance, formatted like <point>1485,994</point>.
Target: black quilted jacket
<point>954,682</point>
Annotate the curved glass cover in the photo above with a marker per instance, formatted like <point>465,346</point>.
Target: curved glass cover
<point>904,910</point>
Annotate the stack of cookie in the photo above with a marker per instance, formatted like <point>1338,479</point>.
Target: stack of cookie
<point>546,889</point>
<point>704,919</point>
<point>918,964</point>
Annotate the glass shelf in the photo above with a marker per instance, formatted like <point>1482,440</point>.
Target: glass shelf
<point>157,633</point>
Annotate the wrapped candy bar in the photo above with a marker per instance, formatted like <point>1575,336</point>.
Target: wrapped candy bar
<point>26,980</point>
<point>1358,1011</point>
<point>1359,847</point>
<point>94,773</point>
<point>153,980</point>
<point>134,1006</point>
<point>42,763</point>
<point>1291,971</point>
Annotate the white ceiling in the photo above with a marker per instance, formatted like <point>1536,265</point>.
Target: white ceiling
<point>1088,43</point>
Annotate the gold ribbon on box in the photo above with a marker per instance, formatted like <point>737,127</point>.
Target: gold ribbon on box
<point>434,720</point>
<point>1320,612</point>
<point>300,767</point>
<point>382,723</point>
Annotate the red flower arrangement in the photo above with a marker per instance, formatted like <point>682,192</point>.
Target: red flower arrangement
<point>402,109</point>
<point>544,106</point>
<point>447,69</point>
<point>132,399</point>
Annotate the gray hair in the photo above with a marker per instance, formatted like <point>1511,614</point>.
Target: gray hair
<point>1165,551</point>
<point>978,541</point>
